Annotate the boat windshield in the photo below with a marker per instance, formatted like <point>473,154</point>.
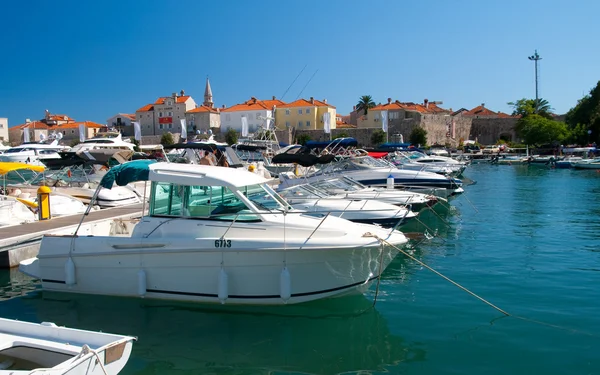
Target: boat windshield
<point>212,202</point>
<point>335,185</point>
<point>304,192</point>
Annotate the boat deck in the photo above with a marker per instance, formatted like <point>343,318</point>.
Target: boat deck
<point>66,221</point>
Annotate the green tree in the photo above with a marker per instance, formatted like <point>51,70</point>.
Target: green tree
<point>538,130</point>
<point>231,136</point>
<point>74,142</point>
<point>136,144</point>
<point>378,137</point>
<point>585,116</point>
<point>167,139</point>
<point>365,103</point>
<point>526,107</point>
<point>418,136</point>
<point>341,135</point>
<point>301,139</point>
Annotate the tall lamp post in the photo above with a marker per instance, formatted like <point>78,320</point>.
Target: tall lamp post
<point>535,58</point>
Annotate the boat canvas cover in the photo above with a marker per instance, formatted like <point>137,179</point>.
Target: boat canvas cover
<point>137,170</point>
<point>6,167</point>
<point>301,156</point>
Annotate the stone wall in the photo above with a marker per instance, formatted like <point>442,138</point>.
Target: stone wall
<point>485,130</point>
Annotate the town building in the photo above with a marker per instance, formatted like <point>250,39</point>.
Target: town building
<point>205,117</point>
<point>123,123</point>
<point>50,126</point>
<point>165,114</point>
<point>304,114</point>
<point>256,112</point>
<point>396,113</point>
<point>3,130</point>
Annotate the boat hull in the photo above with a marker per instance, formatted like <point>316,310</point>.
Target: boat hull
<point>192,270</point>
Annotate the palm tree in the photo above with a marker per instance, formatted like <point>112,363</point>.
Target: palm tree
<point>525,107</point>
<point>364,103</point>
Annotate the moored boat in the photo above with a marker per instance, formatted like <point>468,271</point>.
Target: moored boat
<point>216,234</point>
<point>29,348</point>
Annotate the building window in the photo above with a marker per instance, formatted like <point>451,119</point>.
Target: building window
<point>1,126</point>
<point>227,117</point>
<point>300,111</point>
<point>170,114</point>
<point>307,110</point>
<point>258,116</point>
<point>307,124</point>
<point>287,124</point>
<point>169,102</point>
<point>170,126</point>
<point>72,131</point>
<point>160,126</point>
<point>159,114</point>
<point>287,112</point>
<point>299,124</point>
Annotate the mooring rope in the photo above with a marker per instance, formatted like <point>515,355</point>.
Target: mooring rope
<point>505,313</point>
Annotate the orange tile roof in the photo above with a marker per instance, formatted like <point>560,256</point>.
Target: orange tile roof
<point>306,103</point>
<point>128,115</point>
<point>408,106</point>
<point>203,108</point>
<point>72,125</point>
<point>31,125</point>
<point>344,125</point>
<point>254,105</point>
<point>480,111</point>
<point>146,108</point>
<point>59,118</point>
<point>180,99</point>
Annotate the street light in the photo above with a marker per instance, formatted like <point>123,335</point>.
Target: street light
<point>535,57</point>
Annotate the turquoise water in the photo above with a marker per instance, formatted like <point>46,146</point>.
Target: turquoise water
<point>525,238</point>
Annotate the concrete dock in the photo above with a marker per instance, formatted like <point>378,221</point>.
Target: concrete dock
<point>21,242</point>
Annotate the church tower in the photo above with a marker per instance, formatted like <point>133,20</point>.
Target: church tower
<point>208,100</point>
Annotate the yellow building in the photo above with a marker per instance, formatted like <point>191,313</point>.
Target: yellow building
<point>304,114</point>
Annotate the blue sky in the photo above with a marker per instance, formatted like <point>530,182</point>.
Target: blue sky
<point>93,59</point>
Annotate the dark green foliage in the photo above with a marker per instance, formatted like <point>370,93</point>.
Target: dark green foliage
<point>167,139</point>
<point>378,137</point>
<point>538,130</point>
<point>301,139</point>
<point>418,136</point>
<point>526,107</point>
<point>231,137</point>
<point>586,116</point>
<point>365,103</point>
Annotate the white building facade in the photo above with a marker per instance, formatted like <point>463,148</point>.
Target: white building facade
<point>3,129</point>
<point>165,114</point>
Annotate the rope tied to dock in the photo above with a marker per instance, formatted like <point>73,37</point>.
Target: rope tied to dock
<point>505,313</point>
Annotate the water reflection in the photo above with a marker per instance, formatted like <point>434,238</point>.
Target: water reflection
<point>324,337</point>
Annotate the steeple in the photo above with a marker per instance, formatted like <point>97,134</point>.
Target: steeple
<point>208,95</point>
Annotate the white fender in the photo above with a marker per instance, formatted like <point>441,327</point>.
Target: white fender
<point>223,292</point>
<point>142,280</point>
<point>285,284</point>
<point>390,182</point>
<point>70,272</point>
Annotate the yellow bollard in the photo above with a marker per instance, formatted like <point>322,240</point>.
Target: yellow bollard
<point>43,194</point>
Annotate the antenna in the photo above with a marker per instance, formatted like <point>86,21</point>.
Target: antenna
<point>311,77</point>
<point>535,57</point>
<point>290,86</point>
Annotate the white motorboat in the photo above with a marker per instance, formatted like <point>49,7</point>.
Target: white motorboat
<point>370,172</point>
<point>348,188</point>
<point>104,140</point>
<point>14,212</point>
<point>215,234</point>
<point>311,199</point>
<point>593,163</point>
<point>32,153</point>
<point>46,349</point>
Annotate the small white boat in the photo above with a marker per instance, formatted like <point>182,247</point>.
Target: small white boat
<point>46,349</point>
<point>32,153</point>
<point>104,140</point>
<point>586,164</point>
<point>217,235</point>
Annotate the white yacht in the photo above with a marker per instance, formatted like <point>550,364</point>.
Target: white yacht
<point>104,140</point>
<point>32,153</point>
<point>215,234</point>
<point>30,348</point>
